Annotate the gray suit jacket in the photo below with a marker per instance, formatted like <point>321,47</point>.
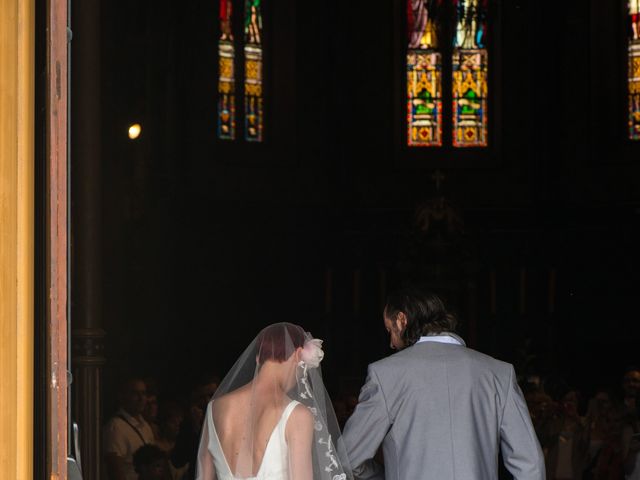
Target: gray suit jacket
<point>442,411</point>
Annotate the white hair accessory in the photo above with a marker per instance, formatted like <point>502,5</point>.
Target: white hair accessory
<point>312,353</point>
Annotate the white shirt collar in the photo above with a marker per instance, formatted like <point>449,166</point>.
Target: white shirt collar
<point>443,338</point>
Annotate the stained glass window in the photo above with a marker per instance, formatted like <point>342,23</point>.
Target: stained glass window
<point>432,47</point>
<point>634,69</point>
<point>226,75</point>
<point>424,74</point>
<point>253,91</point>
<point>470,72</point>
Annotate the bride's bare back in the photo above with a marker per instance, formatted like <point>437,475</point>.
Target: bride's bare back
<point>238,431</point>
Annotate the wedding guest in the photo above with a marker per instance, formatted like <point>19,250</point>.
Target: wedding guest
<point>150,463</point>
<point>206,387</point>
<point>631,455</point>
<point>564,438</point>
<point>540,405</point>
<point>170,419</point>
<point>610,461</point>
<point>126,431</point>
<point>630,390</point>
<point>188,439</point>
<point>631,445</point>
<point>600,411</point>
<point>532,382</point>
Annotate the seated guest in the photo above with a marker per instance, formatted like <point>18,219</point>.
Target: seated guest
<point>150,463</point>
<point>126,431</point>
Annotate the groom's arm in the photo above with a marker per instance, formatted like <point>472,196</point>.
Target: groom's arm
<point>521,450</point>
<point>366,428</point>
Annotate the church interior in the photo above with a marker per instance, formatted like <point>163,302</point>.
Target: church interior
<point>221,218</point>
<point>533,238</point>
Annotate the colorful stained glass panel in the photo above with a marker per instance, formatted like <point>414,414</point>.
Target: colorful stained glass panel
<point>470,75</point>
<point>471,24</point>
<point>424,75</point>
<point>253,85</point>
<point>424,98</point>
<point>470,98</point>
<point>226,75</point>
<point>634,70</point>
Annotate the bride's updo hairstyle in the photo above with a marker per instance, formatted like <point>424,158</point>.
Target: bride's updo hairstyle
<point>425,312</point>
<point>277,342</point>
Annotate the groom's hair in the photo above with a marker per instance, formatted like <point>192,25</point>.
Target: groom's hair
<point>278,341</point>
<point>425,311</point>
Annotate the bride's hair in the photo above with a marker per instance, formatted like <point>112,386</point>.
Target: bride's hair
<point>277,342</point>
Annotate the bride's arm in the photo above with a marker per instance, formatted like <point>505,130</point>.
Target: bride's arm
<point>204,468</point>
<point>299,434</point>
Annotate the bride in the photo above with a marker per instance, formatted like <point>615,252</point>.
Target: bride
<point>271,418</point>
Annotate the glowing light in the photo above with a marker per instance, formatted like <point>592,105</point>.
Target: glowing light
<point>134,131</point>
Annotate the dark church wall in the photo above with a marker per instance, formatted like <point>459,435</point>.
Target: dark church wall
<point>209,241</point>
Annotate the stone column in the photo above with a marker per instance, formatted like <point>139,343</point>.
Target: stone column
<point>86,231</point>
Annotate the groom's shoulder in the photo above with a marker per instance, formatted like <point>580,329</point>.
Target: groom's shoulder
<point>402,359</point>
<point>488,361</point>
<point>396,360</point>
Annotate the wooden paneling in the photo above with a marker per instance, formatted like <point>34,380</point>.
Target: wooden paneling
<point>57,239</point>
<point>16,237</point>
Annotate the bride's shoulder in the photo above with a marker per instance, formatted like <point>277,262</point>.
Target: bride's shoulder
<point>301,415</point>
<point>229,400</point>
<point>300,424</point>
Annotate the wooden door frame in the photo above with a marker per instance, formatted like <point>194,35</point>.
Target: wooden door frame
<point>57,236</point>
<point>17,63</point>
<point>18,36</point>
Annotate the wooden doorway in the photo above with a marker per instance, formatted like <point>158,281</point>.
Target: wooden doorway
<point>30,88</point>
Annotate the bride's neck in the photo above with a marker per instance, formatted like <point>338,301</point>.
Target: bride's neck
<point>271,375</point>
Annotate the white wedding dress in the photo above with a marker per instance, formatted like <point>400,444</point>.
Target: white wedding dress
<point>275,462</point>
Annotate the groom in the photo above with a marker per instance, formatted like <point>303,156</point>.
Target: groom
<point>440,410</point>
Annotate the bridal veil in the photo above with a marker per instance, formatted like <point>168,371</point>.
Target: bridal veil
<point>271,417</point>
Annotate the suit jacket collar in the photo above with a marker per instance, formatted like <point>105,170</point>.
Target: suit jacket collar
<point>452,335</point>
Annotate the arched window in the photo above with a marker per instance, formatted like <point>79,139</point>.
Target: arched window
<point>252,68</point>
<point>434,47</point>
